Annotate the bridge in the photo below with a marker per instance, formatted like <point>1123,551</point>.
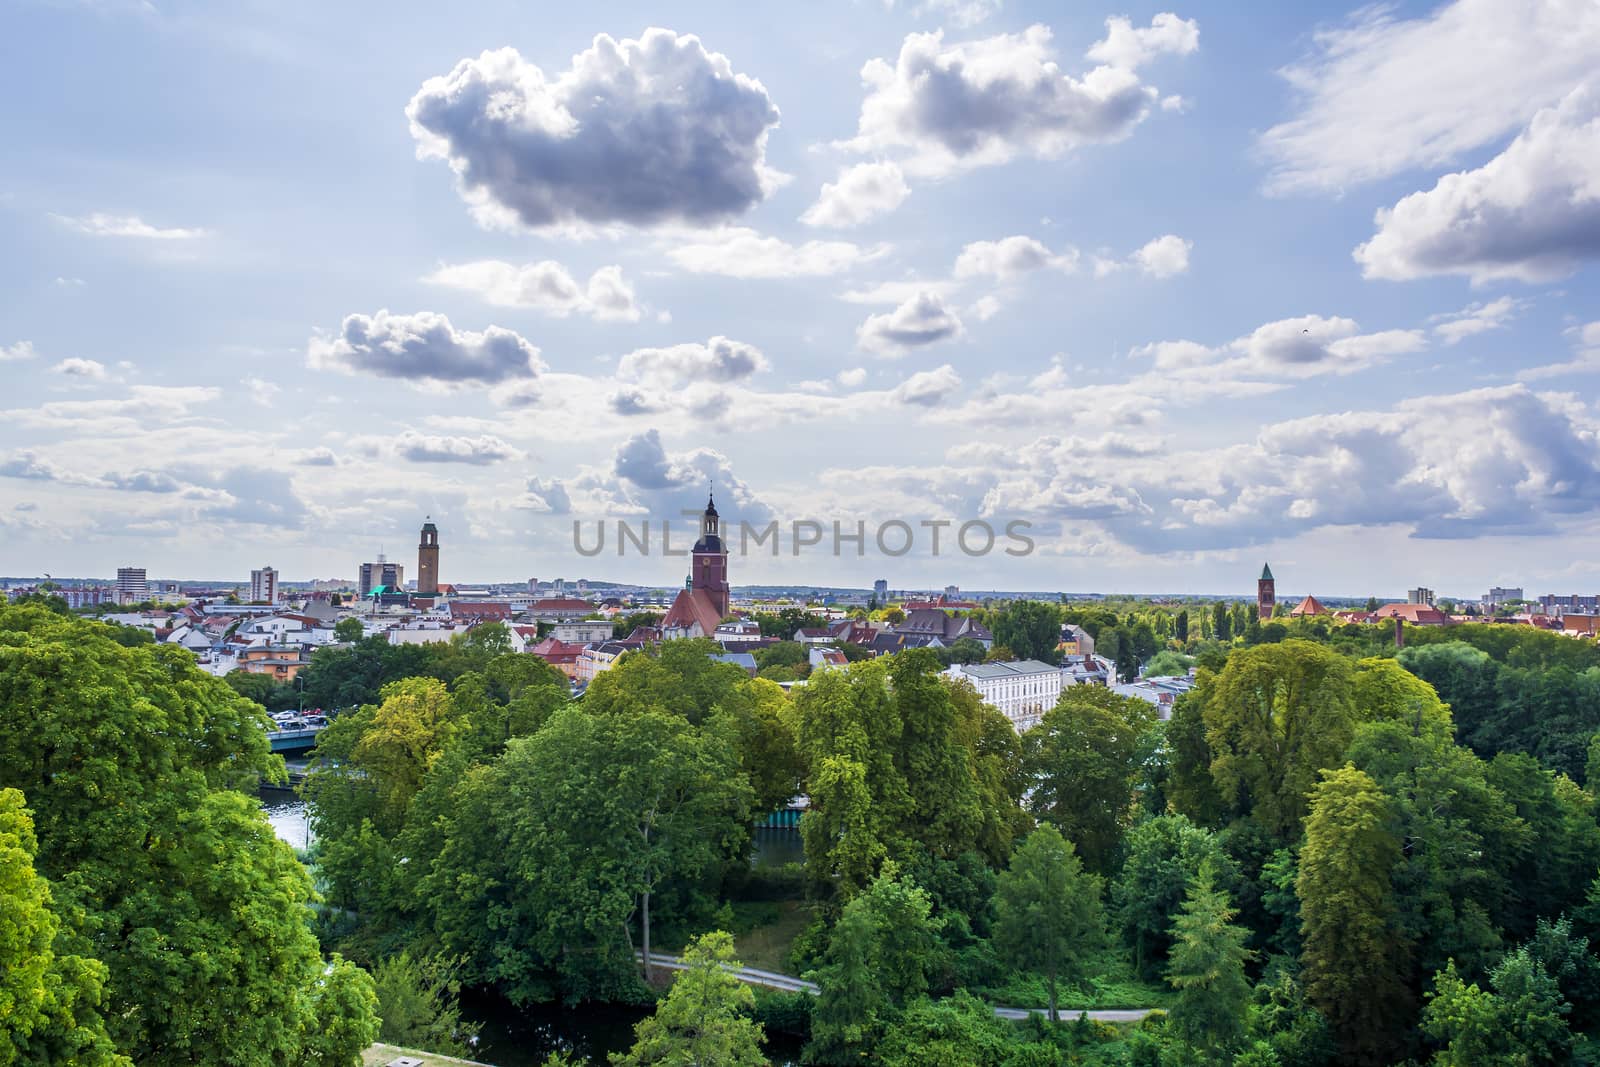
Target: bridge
<point>790,984</point>
<point>287,742</point>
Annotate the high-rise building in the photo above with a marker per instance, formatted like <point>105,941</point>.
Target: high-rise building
<point>1498,595</point>
<point>533,585</point>
<point>264,586</point>
<point>371,575</point>
<point>880,590</point>
<point>1266,593</point>
<point>428,559</point>
<point>952,591</point>
<point>1420,595</point>
<point>132,585</point>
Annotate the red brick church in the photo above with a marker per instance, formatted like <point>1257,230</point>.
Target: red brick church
<point>703,601</point>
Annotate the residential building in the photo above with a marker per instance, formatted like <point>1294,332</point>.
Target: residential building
<point>1075,641</point>
<point>477,611</point>
<point>880,591</point>
<point>427,559</point>
<point>737,632</point>
<point>281,662</point>
<point>133,586</point>
<point>561,655</point>
<point>1420,595</point>
<point>1570,604</point>
<point>821,657</point>
<point>1162,692</point>
<point>371,575</point>
<point>264,586</point>
<point>597,659</point>
<point>743,660</point>
<point>1497,595</point>
<point>1022,690</point>
<point>933,622</point>
<point>582,632</point>
<point>552,609</point>
<point>1417,614</point>
<point>1582,625</point>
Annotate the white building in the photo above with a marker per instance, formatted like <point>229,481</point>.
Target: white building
<point>1162,692</point>
<point>132,585</point>
<point>582,632</point>
<point>264,586</point>
<point>1022,690</point>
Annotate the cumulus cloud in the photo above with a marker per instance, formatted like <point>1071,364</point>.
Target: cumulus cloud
<point>962,13</point>
<point>737,252</point>
<point>546,495</point>
<point>26,464</point>
<point>853,378</point>
<point>256,495</point>
<point>1456,326</point>
<point>90,369</point>
<point>424,348</point>
<point>1532,213</point>
<point>1165,256</point>
<point>546,286</point>
<point>1297,348</point>
<point>140,405</point>
<point>928,388</point>
<point>1130,47</point>
<point>638,132</point>
<point>1586,340</point>
<point>1367,110</point>
<point>102,225</point>
<point>317,457</point>
<point>417,447</point>
<point>951,106</point>
<point>1009,257</point>
<point>861,193</point>
<point>718,360</point>
<point>922,320</point>
<point>644,478</point>
<point>19,351</point>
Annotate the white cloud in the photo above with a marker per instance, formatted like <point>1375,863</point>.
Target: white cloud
<point>1130,47</point>
<point>928,388</point>
<point>1457,326</point>
<point>922,320</point>
<point>1010,257</point>
<point>898,292</point>
<point>19,351</point>
<point>140,405</point>
<point>1302,347</point>
<point>861,193</point>
<point>718,360</point>
<point>953,106</point>
<point>424,348</point>
<point>417,447</point>
<point>1586,340</point>
<point>260,390</point>
<point>853,378</point>
<point>81,368</point>
<point>1165,256</point>
<point>1383,94</point>
<point>639,132</point>
<point>1531,214</point>
<point>99,224</point>
<point>546,286</point>
<point>743,253</point>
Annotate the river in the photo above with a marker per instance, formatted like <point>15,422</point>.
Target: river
<point>523,1037</point>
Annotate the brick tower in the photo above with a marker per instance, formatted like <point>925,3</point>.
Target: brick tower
<point>1266,593</point>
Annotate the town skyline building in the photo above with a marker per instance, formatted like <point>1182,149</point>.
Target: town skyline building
<point>428,559</point>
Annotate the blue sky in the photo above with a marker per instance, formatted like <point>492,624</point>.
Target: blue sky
<point>1185,287</point>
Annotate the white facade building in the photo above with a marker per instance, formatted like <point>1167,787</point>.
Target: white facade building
<point>264,586</point>
<point>1022,690</point>
<point>132,585</point>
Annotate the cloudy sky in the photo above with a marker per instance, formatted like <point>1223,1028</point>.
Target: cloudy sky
<point>1185,287</point>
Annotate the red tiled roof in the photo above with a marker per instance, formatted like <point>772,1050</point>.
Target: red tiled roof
<point>1417,614</point>
<point>1309,606</point>
<point>692,606</point>
<point>562,604</point>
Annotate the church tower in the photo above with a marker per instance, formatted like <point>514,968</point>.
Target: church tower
<point>709,570</point>
<point>428,560</point>
<point>1266,594</point>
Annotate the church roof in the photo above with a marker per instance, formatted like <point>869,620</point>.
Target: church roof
<point>692,606</point>
<point>1266,573</point>
<point>1310,606</point>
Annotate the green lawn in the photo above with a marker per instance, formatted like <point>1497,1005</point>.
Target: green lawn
<point>766,946</point>
<point>378,1055</point>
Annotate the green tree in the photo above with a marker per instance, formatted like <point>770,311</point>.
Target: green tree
<point>1353,956</point>
<point>1082,759</point>
<point>1221,622</point>
<point>1164,856</point>
<point>1275,716</point>
<point>1030,628</point>
<point>704,1019</point>
<point>1167,664</point>
<point>418,1001</point>
<point>341,1022</point>
<point>958,1031</point>
<point>879,957</point>
<point>50,1005</point>
<point>1206,967</point>
<point>132,761</point>
<point>1048,915</point>
<point>348,629</point>
<point>1522,1022</point>
<point>1180,627</point>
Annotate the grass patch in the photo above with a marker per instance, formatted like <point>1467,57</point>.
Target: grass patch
<point>380,1054</point>
<point>1115,987</point>
<point>765,945</point>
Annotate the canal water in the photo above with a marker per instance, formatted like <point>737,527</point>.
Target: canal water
<point>524,1037</point>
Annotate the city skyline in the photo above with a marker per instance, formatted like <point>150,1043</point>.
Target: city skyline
<point>1160,280</point>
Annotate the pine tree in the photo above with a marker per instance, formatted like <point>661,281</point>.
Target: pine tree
<point>1207,968</point>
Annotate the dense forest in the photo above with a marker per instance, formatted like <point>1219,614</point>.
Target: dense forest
<point>1331,853</point>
